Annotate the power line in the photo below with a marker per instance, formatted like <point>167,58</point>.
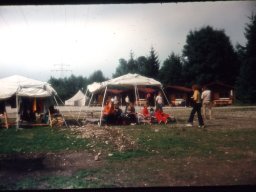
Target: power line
<point>61,68</point>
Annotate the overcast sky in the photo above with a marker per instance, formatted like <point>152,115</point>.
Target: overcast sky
<point>36,40</point>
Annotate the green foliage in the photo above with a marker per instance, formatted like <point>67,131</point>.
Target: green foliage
<point>210,57</point>
<point>67,87</point>
<point>39,139</point>
<point>152,65</point>
<point>246,81</point>
<point>128,154</point>
<point>97,76</point>
<point>147,66</point>
<point>171,71</point>
<point>80,179</point>
<point>121,69</point>
<point>250,35</point>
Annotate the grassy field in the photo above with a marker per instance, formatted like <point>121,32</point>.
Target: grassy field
<point>132,156</point>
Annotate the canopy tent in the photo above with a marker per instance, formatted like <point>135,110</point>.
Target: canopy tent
<point>23,86</point>
<point>20,86</point>
<point>77,100</point>
<point>128,80</point>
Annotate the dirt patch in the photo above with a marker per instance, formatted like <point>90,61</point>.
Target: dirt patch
<point>107,135</point>
<point>16,167</point>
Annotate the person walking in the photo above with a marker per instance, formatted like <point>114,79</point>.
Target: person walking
<point>206,102</point>
<point>197,105</point>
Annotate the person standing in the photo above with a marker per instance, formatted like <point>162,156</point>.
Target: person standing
<point>159,102</point>
<point>148,97</point>
<point>127,103</point>
<point>197,105</point>
<point>206,102</point>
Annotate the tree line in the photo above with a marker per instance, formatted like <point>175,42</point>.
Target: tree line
<point>207,56</point>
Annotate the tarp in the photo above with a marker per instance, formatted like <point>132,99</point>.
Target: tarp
<point>77,100</point>
<point>124,81</point>
<point>23,86</point>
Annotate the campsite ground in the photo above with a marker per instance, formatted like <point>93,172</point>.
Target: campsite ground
<point>133,156</point>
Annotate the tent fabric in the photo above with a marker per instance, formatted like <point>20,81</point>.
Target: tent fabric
<point>125,81</point>
<point>131,79</point>
<point>23,86</point>
<point>77,100</point>
<point>94,87</point>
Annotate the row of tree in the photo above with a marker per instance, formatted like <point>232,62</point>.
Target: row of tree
<point>208,56</point>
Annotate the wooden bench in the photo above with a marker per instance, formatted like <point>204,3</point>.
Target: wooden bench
<point>222,102</point>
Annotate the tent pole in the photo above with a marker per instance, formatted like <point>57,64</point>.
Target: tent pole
<point>61,114</point>
<point>85,96</point>
<point>165,95</point>
<point>136,96</point>
<point>17,112</point>
<point>82,106</point>
<point>103,104</point>
<point>68,110</point>
<point>90,100</point>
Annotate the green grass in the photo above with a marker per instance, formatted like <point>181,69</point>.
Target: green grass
<point>182,142</point>
<point>39,139</point>
<point>81,179</point>
<point>138,165</point>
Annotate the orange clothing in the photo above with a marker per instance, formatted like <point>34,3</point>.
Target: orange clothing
<point>108,109</point>
<point>161,117</point>
<point>145,112</point>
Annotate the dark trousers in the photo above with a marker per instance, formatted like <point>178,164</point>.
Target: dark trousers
<point>196,109</point>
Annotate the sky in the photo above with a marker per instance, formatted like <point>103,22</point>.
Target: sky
<point>59,40</point>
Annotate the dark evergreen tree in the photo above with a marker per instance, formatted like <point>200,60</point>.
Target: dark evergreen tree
<point>152,65</point>
<point>142,65</point>
<point>67,87</point>
<point>246,82</point>
<point>122,69</point>
<point>171,71</point>
<point>132,66</point>
<point>210,57</point>
<point>97,76</point>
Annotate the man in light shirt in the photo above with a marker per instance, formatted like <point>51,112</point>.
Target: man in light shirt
<point>206,101</point>
<point>159,102</point>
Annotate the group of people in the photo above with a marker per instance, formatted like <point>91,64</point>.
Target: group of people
<point>200,100</point>
<point>113,114</point>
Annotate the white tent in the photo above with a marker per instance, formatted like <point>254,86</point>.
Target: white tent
<point>20,86</point>
<point>128,80</point>
<point>77,100</point>
<point>23,86</point>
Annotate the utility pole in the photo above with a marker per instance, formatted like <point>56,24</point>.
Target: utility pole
<point>61,68</point>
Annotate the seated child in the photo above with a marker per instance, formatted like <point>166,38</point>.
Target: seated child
<point>163,117</point>
<point>109,113</point>
<point>144,115</point>
<point>130,115</point>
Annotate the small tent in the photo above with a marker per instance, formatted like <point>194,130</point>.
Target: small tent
<point>23,87</point>
<point>128,80</point>
<point>77,100</point>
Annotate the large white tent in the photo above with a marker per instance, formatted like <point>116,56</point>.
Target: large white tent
<point>128,80</point>
<point>20,86</point>
<point>23,86</point>
<point>77,100</point>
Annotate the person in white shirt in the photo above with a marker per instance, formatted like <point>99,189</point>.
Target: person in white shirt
<point>159,102</point>
<point>206,101</point>
<point>127,103</point>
